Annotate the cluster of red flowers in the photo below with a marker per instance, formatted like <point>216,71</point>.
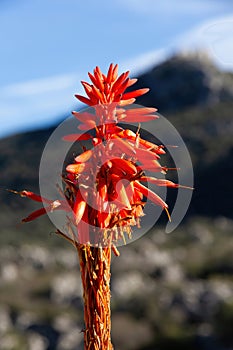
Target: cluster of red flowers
<point>104,186</point>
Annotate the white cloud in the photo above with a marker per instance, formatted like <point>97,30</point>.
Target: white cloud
<point>40,86</point>
<point>180,7</point>
<point>145,61</point>
<point>36,102</point>
<point>215,36</point>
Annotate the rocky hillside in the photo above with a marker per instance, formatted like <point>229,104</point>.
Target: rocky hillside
<point>184,81</point>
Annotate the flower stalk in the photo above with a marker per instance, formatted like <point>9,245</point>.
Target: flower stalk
<point>95,272</point>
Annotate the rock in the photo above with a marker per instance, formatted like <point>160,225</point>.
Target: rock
<point>66,287</point>
<point>134,333</point>
<point>45,335</point>
<point>72,340</point>
<point>5,320</point>
<point>37,342</point>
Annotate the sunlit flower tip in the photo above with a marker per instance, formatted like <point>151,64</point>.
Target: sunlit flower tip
<point>127,102</point>
<point>135,93</point>
<point>112,73</point>
<point>110,88</point>
<point>77,168</point>
<point>79,207</point>
<point>84,157</point>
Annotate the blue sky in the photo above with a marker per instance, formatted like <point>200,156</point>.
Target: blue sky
<point>47,47</point>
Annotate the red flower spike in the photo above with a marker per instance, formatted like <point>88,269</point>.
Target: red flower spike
<point>116,157</point>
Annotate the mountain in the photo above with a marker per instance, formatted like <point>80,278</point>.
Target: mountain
<point>184,81</point>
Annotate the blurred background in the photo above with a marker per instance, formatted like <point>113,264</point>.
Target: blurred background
<point>168,291</point>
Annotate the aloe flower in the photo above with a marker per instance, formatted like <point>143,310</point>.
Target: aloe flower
<point>105,189</point>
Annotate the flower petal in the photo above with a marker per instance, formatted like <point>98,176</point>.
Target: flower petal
<point>76,168</point>
<point>79,207</point>
<point>35,197</point>
<point>84,116</point>
<point>150,195</point>
<point>84,157</point>
<point>34,215</point>
<point>126,166</point>
<point>138,118</point>
<point>85,100</point>
<point>76,137</point>
<point>135,93</point>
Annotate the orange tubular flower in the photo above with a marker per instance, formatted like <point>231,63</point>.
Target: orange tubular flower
<point>112,170</point>
<point>104,189</point>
